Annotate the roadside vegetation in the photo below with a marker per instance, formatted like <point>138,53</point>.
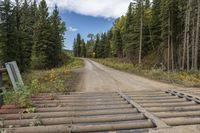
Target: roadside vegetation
<point>61,79</point>
<point>188,79</point>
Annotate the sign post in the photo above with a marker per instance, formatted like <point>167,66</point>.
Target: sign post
<point>14,74</point>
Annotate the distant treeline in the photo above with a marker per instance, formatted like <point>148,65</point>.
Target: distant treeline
<point>29,35</point>
<point>166,32</point>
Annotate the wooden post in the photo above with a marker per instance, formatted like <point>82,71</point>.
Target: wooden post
<point>1,91</point>
<point>2,70</point>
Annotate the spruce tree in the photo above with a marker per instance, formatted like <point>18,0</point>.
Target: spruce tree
<point>75,51</point>
<point>118,43</point>
<point>7,33</point>
<point>110,42</point>
<point>26,28</point>
<point>130,39</point>
<point>17,33</point>
<point>83,49</point>
<point>107,46</point>
<point>156,23</point>
<point>42,47</point>
<point>90,45</point>
<point>96,47</point>
<point>78,43</point>
<point>147,45</point>
<point>101,50</point>
<point>57,31</point>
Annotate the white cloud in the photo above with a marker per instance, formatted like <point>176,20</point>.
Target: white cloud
<point>72,29</point>
<point>96,8</point>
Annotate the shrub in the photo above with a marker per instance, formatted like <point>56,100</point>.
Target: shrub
<point>20,97</point>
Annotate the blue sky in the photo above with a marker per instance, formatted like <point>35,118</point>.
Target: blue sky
<point>83,24</point>
<point>88,16</point>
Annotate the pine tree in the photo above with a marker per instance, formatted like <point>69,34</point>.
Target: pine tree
<point>118,43</point>
<point>78,43</point>
<point>7,33</point>
<point>75,48</point>
<point>18,35</point>
<point>107,46</point>
<point>90,45</point>
<point>156,24</point>
<point>130,37</point>
<point>169,19</point>
<point>147,36</point>
<point>28,36</point>
<point>113,35</point>
<point>83,49</point>
<point>57,32</point>
<point>96,47</point>
<point>42,44</point>
<point>26,29</point>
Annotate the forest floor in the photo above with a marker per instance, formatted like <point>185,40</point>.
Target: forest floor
<point>97,77</point>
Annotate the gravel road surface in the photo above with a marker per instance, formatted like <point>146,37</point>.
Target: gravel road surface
<point>97,77</point>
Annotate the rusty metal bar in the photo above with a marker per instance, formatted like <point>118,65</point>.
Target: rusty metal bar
<point>158,122</point>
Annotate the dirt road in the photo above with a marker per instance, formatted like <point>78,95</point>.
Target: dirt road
<point>97,77</point>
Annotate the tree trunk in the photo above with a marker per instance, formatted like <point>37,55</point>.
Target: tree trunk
<point>141,33</point>
<point>168,49</point>
<point>197,38</point>
<point>188,37</point>
<point>172,43</point>
<point>193,45</point>
<point>185,37</point>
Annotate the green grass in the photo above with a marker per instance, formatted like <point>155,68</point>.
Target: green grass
<point>44,81</point>
<point>54,80</point>
<point>188,79</point>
